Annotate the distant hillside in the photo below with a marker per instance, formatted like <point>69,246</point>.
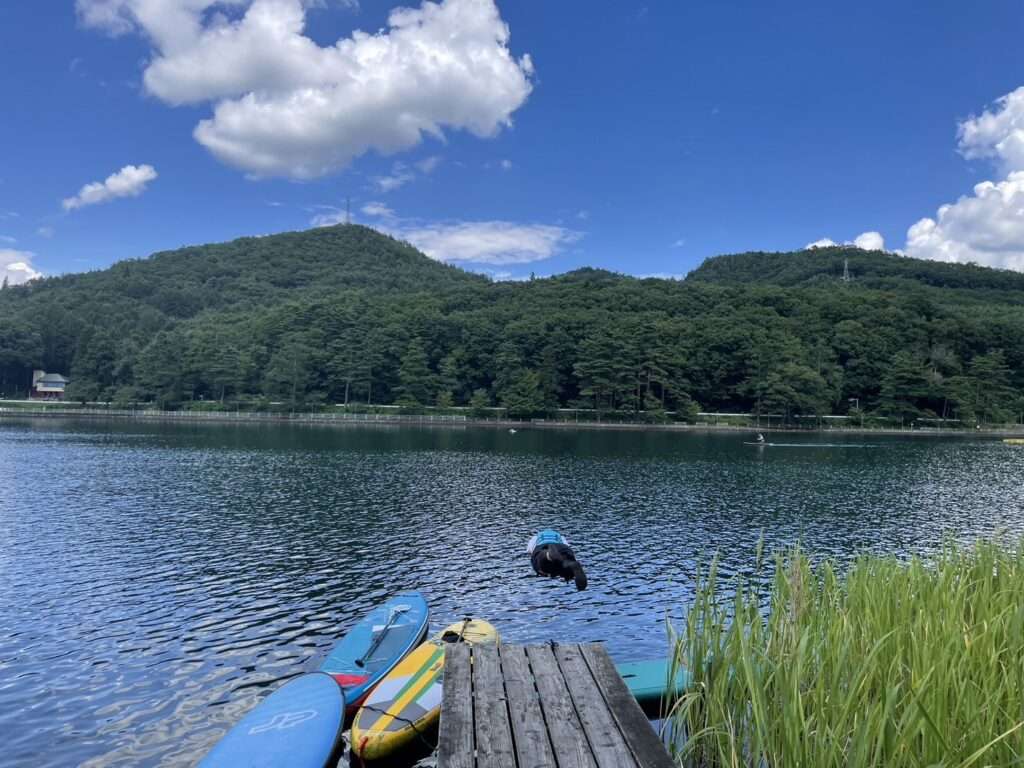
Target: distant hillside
<point>346,314</point>
<point>873,269</point>
<point>251,271</point>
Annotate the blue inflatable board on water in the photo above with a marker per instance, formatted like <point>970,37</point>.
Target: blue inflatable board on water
<point>298,725</point>
<point>375,645</point>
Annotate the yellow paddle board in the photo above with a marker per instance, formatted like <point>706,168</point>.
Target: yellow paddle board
<point>1014,441</point>
<point>407,703</point>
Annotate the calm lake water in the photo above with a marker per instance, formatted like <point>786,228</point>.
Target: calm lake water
<point>157,580</point>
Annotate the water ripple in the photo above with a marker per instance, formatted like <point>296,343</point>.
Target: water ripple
<point>157,581</point>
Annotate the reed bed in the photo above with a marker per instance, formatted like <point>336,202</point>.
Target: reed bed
<point>896,663</point>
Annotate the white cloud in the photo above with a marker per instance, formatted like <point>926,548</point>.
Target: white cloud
<point>997,135</point>
<point>400,176</point>
<point>583,215</point>
<point>661,276</point>
<point>330,218</point>
<point>472,242</point>
<point>489,242</point>
<point>506,165</point>
<point>868,241</point>
<point>16,266</point>
<point>130,181</point>
<point>986,228</point>
<point>46,232</point>
<point>429,164</point>
<point>500,275</point>
<point>7,239</point>
<point>679,243</point>
<point>378,210</point>
<point>285,106</point>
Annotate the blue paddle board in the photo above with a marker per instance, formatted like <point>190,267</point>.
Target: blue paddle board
<point>374,646</point>
<point>298,725</point>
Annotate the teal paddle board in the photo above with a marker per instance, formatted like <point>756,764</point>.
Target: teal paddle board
<point>648,682</point>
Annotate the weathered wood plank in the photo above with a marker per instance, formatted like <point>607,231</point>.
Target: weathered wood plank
<point>647,748</point>
<point>529,732</point>
<point>606,740</point>
<point>490,711</point>
<point>568,740</point>
<point>455,741</point>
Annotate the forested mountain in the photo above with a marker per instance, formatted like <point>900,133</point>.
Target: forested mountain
<point>345,314</point>
<point>873,269</point>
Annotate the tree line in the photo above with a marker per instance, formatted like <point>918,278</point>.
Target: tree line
<point>346,315</point>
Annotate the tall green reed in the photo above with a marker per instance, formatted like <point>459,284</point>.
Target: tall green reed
<point>895,663</point>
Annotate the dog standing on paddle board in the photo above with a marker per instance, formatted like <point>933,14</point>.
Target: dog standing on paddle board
<point>550,555</point>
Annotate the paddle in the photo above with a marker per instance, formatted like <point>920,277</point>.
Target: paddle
<point>361,662</point>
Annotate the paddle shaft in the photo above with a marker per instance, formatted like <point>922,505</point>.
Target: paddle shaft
<point>379,639</point>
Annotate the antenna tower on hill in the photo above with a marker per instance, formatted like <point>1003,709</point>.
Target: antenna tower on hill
<point>348,210</point>
<point>846,271</point>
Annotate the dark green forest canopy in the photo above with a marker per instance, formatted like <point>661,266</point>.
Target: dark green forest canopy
<point>346,314</point>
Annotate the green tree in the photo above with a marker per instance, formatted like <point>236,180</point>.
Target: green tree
<point>288,373</point>
<point>479,403</point>
<point>159,370</point>
<point>448,380</point>
<point>904,387</point>
<point>523,396</point>
<point>331,314</point>
<point>416,381</point>
<point>346,364</point>
<point>994,398</point>
<point>94,366</point>
<point>795,390</point>
<point>21,350</point>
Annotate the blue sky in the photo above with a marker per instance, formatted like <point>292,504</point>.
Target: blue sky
<point>640,138</point>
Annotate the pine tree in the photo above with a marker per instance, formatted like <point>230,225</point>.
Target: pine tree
<point>523,396</point>
<point>904,387</point>
<point>479,403</point>
<point>990,379</point>
<point>416,381</point>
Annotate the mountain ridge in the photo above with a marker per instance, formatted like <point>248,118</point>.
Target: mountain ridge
<point>341,313</point>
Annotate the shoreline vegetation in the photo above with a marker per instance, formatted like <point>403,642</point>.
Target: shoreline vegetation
<point>345,314</point>
<point>894,663</point>
<point>495,419</point>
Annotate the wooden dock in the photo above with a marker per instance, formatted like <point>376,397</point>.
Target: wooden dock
<point>541,706</point>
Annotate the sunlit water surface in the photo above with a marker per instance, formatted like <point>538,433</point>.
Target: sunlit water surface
<point>156,581</point>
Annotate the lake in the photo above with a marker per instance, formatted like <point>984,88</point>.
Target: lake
<point>157,580</point>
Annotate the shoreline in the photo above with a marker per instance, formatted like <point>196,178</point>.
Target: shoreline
<point>449,422</point>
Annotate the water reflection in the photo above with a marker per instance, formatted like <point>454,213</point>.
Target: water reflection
<point>156,580</point>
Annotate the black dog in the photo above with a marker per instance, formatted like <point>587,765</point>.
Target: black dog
<point>551,555</point>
